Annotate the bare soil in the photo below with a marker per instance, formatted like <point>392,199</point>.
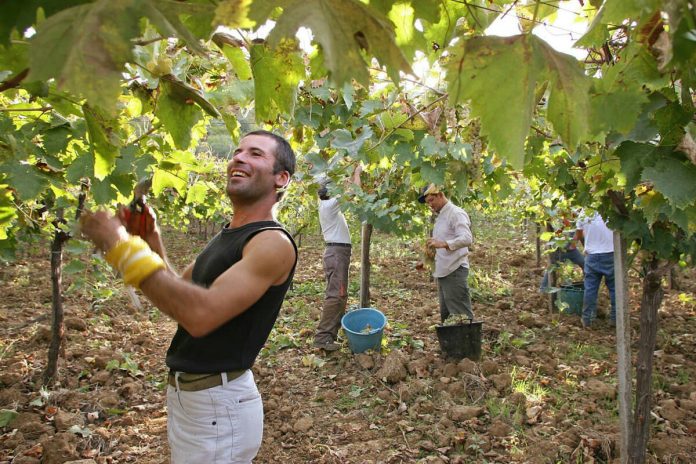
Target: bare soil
<point>543,391</point>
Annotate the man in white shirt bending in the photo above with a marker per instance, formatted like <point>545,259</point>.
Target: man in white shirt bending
<point>337,253</point>
<point>599,262</point>
<point>451,240</point>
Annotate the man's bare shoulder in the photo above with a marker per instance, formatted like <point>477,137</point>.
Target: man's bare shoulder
<point>271,241</point>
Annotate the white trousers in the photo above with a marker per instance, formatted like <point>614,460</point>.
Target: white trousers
<point>218,425</point>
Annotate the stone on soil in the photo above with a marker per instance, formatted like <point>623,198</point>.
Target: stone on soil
<point>64,420</point>
<point>394,368</point>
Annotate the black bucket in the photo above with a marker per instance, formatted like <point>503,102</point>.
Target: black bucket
<point>460,340</point>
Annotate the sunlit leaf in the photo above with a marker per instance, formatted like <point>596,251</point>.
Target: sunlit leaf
<point>344,29</point>
<point>104,140</point>
<point>276,76</point>
<point>509,63</point>
<point>177,113</point>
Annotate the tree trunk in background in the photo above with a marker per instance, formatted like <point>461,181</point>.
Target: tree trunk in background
<point>365,238</point>
<point>650,303</point>
<point>623,344</point>
<point>57,329</point>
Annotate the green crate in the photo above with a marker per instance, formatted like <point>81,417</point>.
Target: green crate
<point>569,299</point>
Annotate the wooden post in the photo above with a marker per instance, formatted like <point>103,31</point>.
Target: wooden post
<point>538,243</point>
<point>365,237</point>
<point>623,343</point>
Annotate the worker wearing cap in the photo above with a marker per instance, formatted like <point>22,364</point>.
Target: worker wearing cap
<point>451,240</point>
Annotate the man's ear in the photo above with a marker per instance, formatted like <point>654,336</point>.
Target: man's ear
<point>282,180</point>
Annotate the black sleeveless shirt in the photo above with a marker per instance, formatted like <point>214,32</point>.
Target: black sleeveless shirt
<point>235,344</point>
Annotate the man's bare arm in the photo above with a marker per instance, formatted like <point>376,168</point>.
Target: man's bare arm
<point>267,261</point>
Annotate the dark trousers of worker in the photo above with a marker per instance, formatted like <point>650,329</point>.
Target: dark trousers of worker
<point>336,265</point>
<point>453,290</point>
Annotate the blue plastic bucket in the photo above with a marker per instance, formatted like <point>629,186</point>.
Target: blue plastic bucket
<point>363,328</point>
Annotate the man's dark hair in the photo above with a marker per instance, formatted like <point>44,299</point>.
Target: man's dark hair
<point>284,156</point>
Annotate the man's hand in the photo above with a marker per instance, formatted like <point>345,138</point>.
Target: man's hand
<point>144,224</point>
<point>102,228</point>
<point>435,243</point>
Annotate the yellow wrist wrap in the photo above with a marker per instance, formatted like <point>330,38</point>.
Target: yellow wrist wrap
<point>134,259</point>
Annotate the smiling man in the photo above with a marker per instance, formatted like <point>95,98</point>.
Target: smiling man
<point>225,303</point>
<point>451,241</point>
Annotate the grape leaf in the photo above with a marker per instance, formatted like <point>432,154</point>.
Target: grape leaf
<point>634,158</point>
<point>433,173</point>
<point>81,167</point>
<point>232,49</point>
<point>164,14</point>
<point>56,140</point>
<point>104,140</point>
<point>478,15</point>
<point>675,180</point>
<point>8,212</point>
<point>85,48</point>
<point>197,193</point>
<point>165,179</point>
<point>615,111</point>
<point>408,38</point>
<point>424,9</point>
<point>671,119</point>
<point>615,11</point>
<point>233,14</point>
<point>19,15</point>
<point>15,57</point>
<point>277,74</point>
<point>177,114</point>
<point>25,179</point>
<point>569,105</point>
<point>343,29</point>
<point>103,191</point>
<point>343,139</point>
<point>636,67</point>
<point>512,64</point>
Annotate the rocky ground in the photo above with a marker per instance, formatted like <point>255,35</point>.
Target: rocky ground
<point>543,391</point>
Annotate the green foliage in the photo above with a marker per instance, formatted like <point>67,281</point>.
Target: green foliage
<point>119,90</point>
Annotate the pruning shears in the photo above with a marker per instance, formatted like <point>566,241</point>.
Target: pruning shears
<point>138,215</point>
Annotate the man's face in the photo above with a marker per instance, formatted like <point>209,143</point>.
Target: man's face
<point>435,201</point>
<point>250,171</point>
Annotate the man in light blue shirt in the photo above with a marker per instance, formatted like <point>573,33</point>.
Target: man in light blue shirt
<point>451,241</point>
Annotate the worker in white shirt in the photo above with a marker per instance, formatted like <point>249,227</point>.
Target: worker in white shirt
<point>599,262</point>
<point>451,240</point>
<point>337,253</point>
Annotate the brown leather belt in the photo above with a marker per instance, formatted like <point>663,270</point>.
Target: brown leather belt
<point>197,382</point>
